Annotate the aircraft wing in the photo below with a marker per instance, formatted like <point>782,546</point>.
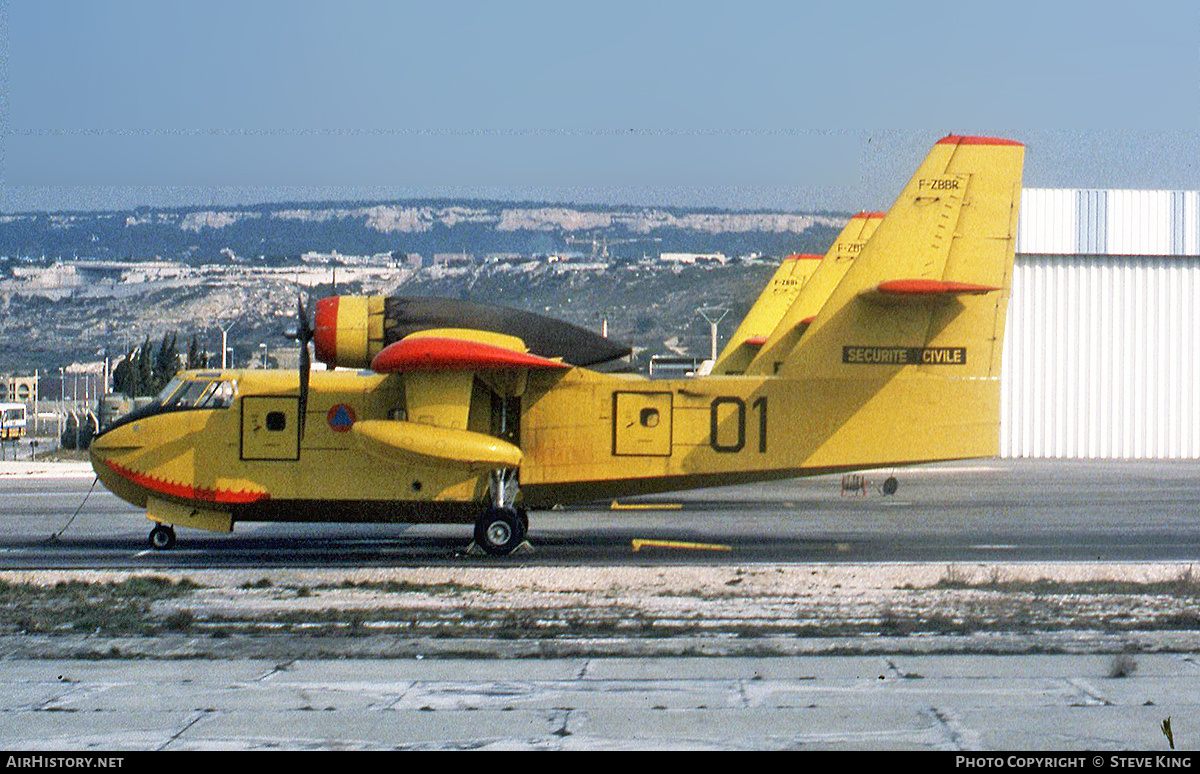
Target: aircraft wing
<point>440,369</point>
<point>458,350</point>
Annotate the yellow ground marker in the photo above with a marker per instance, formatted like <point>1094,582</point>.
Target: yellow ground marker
<point>616,506</point>
<point>639,543</point>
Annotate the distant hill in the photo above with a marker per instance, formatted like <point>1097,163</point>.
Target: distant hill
<point>244,266</point>
<point>279,232</point>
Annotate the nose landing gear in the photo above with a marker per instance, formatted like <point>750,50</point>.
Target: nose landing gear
<point>162,537</point>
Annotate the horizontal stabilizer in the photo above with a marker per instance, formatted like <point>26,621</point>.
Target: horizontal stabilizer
<point>430,353</point>
<point>923,290</point>
<point>421,444</point>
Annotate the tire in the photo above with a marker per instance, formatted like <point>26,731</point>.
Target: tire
<point>890,485</point>
<point>162,538</point>
<point>498,531</point>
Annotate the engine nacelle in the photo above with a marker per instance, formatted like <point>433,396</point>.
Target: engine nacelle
<point>349,331</point>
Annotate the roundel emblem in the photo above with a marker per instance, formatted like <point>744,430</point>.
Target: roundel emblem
<point>340,418</point>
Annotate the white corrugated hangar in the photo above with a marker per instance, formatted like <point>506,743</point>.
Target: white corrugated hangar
<point>1102,350</point>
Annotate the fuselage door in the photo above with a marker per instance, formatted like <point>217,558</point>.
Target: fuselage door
<point>270,428</point>
<point>642,424</point>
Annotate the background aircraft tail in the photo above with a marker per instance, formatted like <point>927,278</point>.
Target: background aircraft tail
<point>772,303</point>
<point>790,325</point>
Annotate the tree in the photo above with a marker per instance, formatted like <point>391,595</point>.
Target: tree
<point>125,375</point>
<point>197,358</point>
<point>145,370</point>
<point>193,355</point>
<point>166,362</point>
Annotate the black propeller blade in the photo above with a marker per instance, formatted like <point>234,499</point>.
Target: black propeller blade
<point>304,334</point>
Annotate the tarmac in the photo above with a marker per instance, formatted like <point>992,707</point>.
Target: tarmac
<point>1064,689</point>
<point>913,702</point>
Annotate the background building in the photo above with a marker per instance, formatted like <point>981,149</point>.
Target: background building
<point>1102,352</point>
<point>19,389</point>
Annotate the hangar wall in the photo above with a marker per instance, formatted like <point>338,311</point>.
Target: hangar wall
<point>1102,347</point>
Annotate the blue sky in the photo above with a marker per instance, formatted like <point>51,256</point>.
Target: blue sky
<point>118,103</point>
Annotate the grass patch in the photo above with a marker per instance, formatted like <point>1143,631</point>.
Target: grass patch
<point>122,607</point>
<point>1186,585</point>
<point>404,587</point>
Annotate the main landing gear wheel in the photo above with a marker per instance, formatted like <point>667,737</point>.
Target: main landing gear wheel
<point>498,531</point>
<point>162,537</point>
<point>890,485</point>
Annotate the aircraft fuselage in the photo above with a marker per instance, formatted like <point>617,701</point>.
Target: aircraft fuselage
<point>582,436</point>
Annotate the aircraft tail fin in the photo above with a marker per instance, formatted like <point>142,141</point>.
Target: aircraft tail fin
<point>790,326</point>
<point>930,289</point>
<point>904,358</point>
<point>772,303</point>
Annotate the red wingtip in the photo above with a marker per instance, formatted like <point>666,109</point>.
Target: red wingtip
<point>966,139</point>
<point>869,215</point>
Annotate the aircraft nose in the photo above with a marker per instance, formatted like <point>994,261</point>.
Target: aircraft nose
<point>116,439</point>
<point>115,443</point>
<point>112,452</point>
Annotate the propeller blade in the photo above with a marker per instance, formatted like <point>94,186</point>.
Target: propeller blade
<point>304,334</point>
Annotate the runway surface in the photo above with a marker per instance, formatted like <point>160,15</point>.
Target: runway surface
<point>991,510</point>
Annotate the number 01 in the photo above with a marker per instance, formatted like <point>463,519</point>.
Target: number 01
<point>714,411</point>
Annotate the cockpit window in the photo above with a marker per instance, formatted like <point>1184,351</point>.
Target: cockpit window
<point>208,393</point>
<point>220,396</point>
<point>187,396</point>
<point>168,391</point>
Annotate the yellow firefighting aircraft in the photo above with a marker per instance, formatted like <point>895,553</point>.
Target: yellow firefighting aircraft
<point>476,415</point>
<point>779,311</point>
